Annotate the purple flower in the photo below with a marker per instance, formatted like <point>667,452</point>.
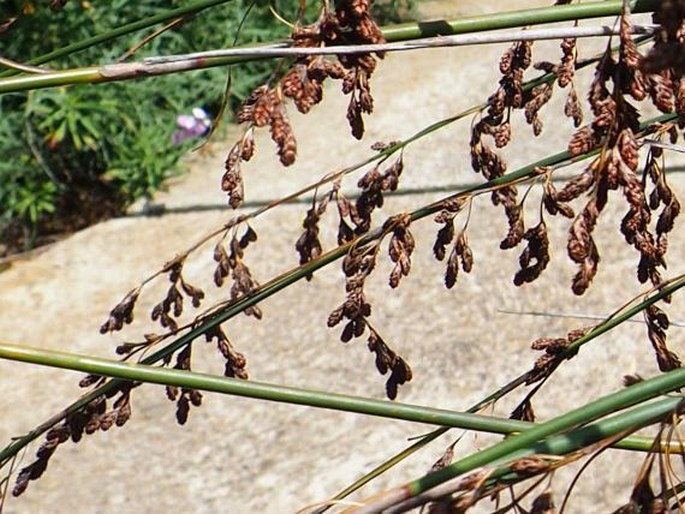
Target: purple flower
<point>192,126</point>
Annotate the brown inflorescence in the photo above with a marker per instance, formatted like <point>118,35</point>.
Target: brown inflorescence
<point>236,362</point>
<point>171,307</point>
<point>388,360</point>
<point>232,264</point>
<point>89,419</point>
<point>349,23</point>
<point>184,396</point>
<point>535,255</point>
<point>400,247</point>
<point>460,254</point>
<point>308,245</point>
<point>657,324</point>
<point>122,313</point>
<point>614,129</point>
<point>357,266</point>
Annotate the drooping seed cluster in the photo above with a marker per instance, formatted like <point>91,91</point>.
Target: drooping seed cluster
<point>354,218</point>
<point>555,352</point>
<point>172,305</point>
<point>460,254</point>
<point>388,360</point>
<point>236,363</point>
<point>357,266</point>
<point>350,22</point>
<point>400,247</point>
<point>233,264</point>
<point>89,419</point>
<point>657,323</point>
<point>614,128</point>
<point>184,396</point>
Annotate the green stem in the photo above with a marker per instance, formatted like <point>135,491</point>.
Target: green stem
<point>403,498</point>
<point>518,18</point>
<point>130,372</point>
<point>635,394</point>
<point>109,73</point>
<point>121,31</point>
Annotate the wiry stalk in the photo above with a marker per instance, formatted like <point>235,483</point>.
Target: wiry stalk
<point>127,71</point>
<point>548,438</point>
<point>279,393</point>
<point>128,28</point>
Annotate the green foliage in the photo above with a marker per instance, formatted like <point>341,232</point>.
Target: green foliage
<point>59,141</point>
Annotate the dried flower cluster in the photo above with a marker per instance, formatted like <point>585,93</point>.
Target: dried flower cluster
<point>357,266</point>
<point>122,313</point>
<point>555,352</point>
<point>565,72</point>
<point>232,264</point>
<point>349,23</point>
<point>388,360</point>
<point>92,417</point>
<point>185,397</point>
<point>614,127</point>
<point>484,159</point>
<point>657,323</point>
<point>232,179</point>
<point>460,254</point>
<point>400,247</point>
<point>236,362</point>
<point>535,256</point>
<point>664,65</point>
<point>513,94</point>
<point>308,245</point>
<point>172,305</point>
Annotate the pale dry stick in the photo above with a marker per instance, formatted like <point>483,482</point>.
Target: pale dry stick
<point>577,316</point>
<point>179,63</point>
<point>150,37</point>
<point>398,496</point>
<point>9,63</point>
<point>284,50</point>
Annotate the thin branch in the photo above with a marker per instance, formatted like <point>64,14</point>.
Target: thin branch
<point>284,50</point>
<point>548,438</point>
<point>284,394</point>
<point>9,63</point>
<point>547,314</point>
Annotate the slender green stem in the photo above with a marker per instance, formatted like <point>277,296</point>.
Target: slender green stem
<point>596,409</point>
<point>273,392</point>
<point>135,26</point>
<point>518,18</point>
<point>126,71</point>
<point>403,498</point>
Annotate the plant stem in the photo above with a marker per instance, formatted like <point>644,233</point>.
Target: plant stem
<point>518,18</point>
<point>403,498</point>
<point>281,50</point>
<point>130,372</point>
<point>126,71</point>
<point>640,392</point>
<point>163,17</point>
